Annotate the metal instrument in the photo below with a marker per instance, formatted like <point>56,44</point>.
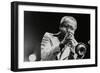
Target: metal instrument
<point>80,50</point>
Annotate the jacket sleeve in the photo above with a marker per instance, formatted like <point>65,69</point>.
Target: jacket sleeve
<point>48,52</point>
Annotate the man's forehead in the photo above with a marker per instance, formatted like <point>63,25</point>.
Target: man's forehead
<point>68,22</point>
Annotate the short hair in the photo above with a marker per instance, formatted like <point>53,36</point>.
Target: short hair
<point>71,21</point>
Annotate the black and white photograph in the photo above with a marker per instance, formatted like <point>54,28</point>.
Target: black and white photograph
<point>53,36</point>
<point>56,36</point>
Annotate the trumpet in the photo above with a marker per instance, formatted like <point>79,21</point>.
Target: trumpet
<point>80,50</point>
<point>67,39</point>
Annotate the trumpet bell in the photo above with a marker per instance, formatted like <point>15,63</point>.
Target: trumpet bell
<point>81,49</point>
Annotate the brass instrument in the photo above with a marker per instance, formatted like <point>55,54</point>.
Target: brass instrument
<point>80,50</point>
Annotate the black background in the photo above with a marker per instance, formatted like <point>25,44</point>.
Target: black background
<point>37,23</point>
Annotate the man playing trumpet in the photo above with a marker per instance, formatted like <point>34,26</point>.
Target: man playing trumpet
<point>62,45</point>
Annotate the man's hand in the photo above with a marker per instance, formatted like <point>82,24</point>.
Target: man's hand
<point>67,39</point>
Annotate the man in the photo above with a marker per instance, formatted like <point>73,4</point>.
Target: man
<point>60,46</point>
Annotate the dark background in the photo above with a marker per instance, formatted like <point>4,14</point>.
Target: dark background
<point>37,23</point>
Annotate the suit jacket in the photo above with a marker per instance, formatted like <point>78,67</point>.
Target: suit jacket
<point>50,49</point>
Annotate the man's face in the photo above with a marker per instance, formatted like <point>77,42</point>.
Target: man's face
<point>66,27</point>
<point>68,24</point>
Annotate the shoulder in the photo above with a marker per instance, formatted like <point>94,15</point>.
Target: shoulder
<point>51,34</point>
<point>48,35</point>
